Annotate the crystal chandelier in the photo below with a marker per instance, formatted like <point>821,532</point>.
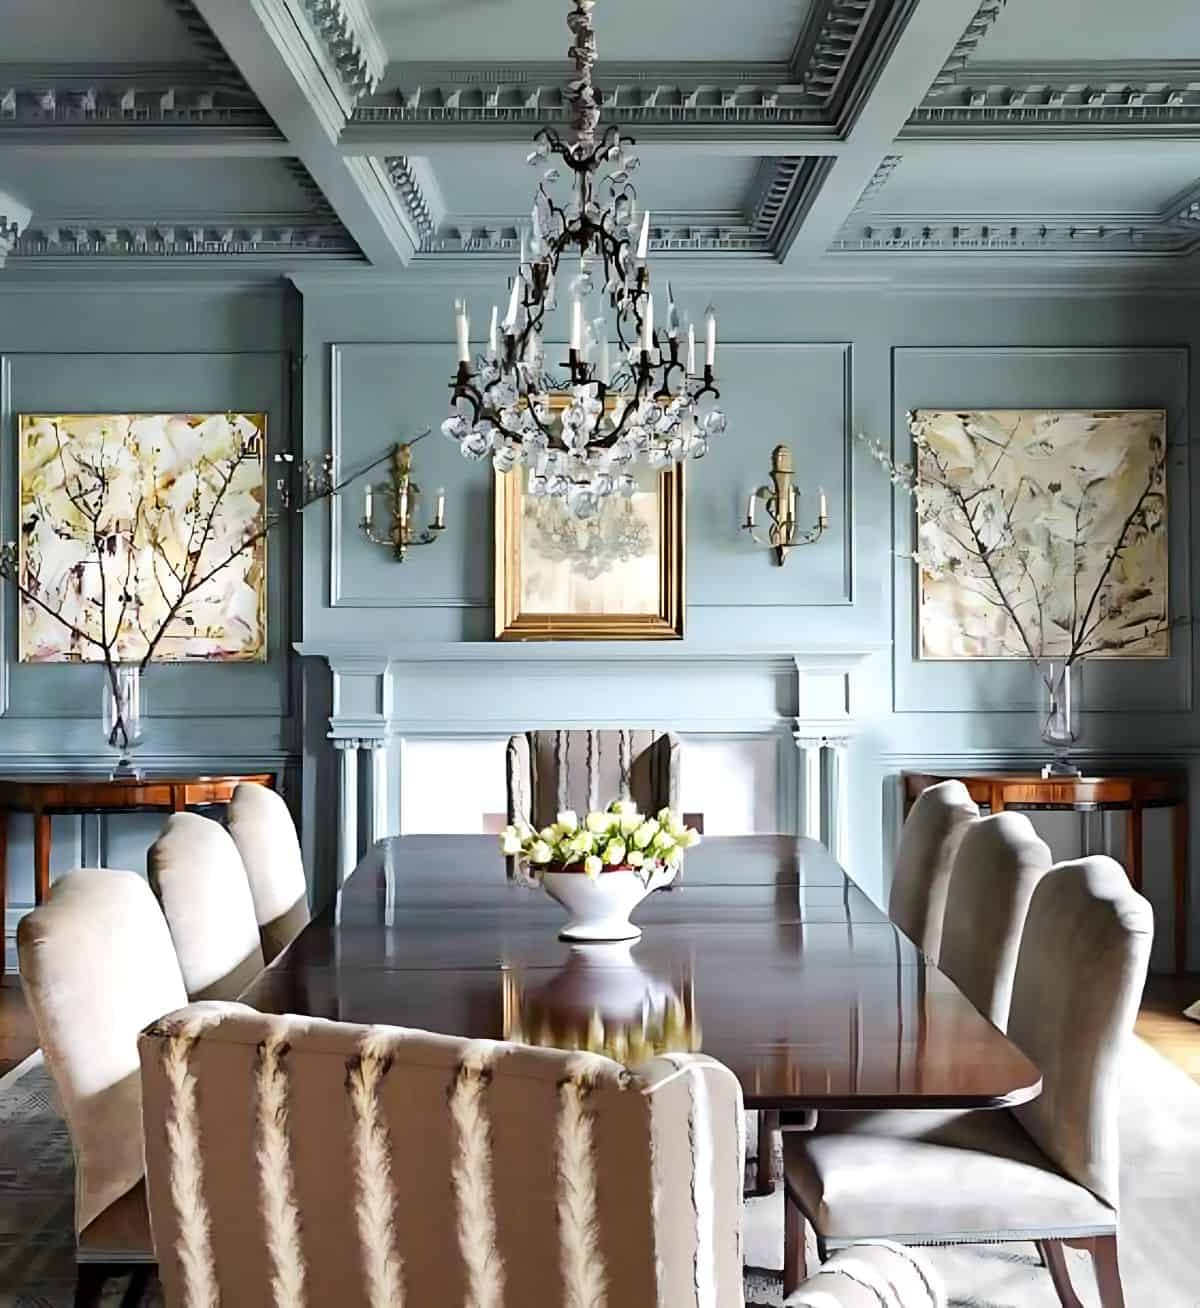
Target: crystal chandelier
<point>651,405</point>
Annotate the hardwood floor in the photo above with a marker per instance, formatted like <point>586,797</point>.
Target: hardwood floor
<point>17,1037</point>
<point>1160,1022</point>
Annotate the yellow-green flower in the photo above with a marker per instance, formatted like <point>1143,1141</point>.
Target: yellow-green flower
<point>645,834</point>
<point>599,823</point>
<point>568,820</point>
<point>690,838</point>
<point>540,852</point>
<point>635,858</point>
<point>623,807</point>
<point>615,853</point>
<point>592,866</point>
<point>510,841</point>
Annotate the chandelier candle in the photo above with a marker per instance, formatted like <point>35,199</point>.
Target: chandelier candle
<point>581,436</point>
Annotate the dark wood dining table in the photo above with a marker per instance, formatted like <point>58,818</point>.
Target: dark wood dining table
<point>765,955</point>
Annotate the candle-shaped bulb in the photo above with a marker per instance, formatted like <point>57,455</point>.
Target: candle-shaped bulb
<point>691,351</point>
<point>494,334</point>
<point>514,308</point>
<point>648,325</point>
<point>439,514</point>
<point>604,373</point>
<point>463,330</point>
<point>576,323</point>
<point>750,503</point>
<point>368,505</point>
<point>403,505</point>
<point>672,316</point>
<point>822,509</point>
<point>710,337</point>
<point>643,245</point>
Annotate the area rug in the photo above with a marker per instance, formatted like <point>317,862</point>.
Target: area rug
<point>1160,1178</point>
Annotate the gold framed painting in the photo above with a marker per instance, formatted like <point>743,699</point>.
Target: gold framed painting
<point>617,576</point>
<point>115,508</point>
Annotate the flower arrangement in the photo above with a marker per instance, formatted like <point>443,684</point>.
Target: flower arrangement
<point>618,837</point>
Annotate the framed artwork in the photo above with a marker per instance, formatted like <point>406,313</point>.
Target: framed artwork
<point>114,511</point>
<point>617,576</point>
<point>1072,507</point>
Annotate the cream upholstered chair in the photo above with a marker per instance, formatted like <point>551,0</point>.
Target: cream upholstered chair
<point>553,770</point>
<point>999,863</point>
<point>289,1161</point>
<point>197,874</point>
<point>880,1274</point>
<point>97,965</point>
<point>262,829</point>
<point>1046,1170</point>
<point>928,844</point>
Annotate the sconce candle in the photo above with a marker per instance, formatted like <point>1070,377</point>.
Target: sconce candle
<point>691,353</point>
<point>643,245</point>
<point>463,330</point>
<point>576,323</point>
<point>493,335</point>
<point>402,494</point>
<point>710,337</point>
<point>439,514</point>
<point>368,504</point>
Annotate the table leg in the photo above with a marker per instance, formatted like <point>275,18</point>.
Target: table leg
<point>1182,877</point>
<point>1133,847</point>
<point>41,856</point>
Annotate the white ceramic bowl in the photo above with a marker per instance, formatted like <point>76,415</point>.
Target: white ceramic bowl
<point>600,906</point>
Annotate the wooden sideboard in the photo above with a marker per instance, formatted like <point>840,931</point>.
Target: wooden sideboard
<point>48,796</point>
<point>1131,792</point>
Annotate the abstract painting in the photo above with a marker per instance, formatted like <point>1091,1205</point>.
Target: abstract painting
<point>118,510</point>
<point>1041,531</point>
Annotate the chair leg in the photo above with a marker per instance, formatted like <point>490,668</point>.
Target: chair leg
<point>1108,1271</point>
<point>795,1263</point>
<point>1056,1261</point>
<point>765,1172</point>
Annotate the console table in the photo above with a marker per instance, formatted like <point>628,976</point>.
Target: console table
<point>48,796</point>
<point>1132,792</point>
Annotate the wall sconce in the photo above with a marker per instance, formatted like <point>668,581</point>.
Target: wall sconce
<point>400,494</point>
<point>782,501</point>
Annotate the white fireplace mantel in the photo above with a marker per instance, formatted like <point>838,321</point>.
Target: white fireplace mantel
<point>388,690</point>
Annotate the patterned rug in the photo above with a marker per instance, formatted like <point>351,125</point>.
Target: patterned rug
<point>1160,1209</point>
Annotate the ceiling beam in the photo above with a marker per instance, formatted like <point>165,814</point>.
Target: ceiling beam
<point>271,41</point>
<point>915,56</point>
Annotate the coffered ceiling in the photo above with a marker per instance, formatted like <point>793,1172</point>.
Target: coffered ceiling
<point>824,135</point>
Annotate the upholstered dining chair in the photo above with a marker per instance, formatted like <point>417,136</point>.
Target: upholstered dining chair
<point>928,844</point>
<point>265,835</point>
<point>877,1274</point>
<point>97,965</point>
<point>1046,1170</point>
<point>197,874</point>
<point>999,863</point>
<point>289,1161</point>
<point>549,771</point>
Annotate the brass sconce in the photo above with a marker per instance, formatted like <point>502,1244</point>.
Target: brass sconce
<point>400,494</point>
<point>782,502</point>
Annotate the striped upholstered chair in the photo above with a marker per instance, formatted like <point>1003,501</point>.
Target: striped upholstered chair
<point>294,1161</point>
<point>553,770</point>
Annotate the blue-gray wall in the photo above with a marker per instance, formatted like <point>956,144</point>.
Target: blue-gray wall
<point>810,366</point>
<point>806,365</point>
<point>96,348</point>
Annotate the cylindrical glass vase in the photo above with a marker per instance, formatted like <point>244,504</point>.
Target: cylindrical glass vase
<point>1060,729</point>
<point>122,715</point>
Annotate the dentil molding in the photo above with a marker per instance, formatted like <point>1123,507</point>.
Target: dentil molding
<point>350,41</point>
<point>14,217</point>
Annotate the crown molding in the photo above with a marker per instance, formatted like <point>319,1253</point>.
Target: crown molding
<point>878,179</point>
<point>1062,235</point>
<point>403,175</point>
<point>206,43</point>
<point>207,237</point>
<point>967,44</point>
<point>343,40</point>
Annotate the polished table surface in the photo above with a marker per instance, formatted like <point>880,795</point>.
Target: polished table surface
<point>765,955</point>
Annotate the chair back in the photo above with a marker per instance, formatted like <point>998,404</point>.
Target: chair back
<point>197,874</point>
<point>295,1161</point>
<point>265,835</point>
<point>549,771</point>
<point>97,964</point>
<point>872,1274</point>
<point>1080,973</point>
<point>1000,860</point>
<point>928,844</point>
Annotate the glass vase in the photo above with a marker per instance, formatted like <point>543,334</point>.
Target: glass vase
<point>122,715</point>
<point>1059,721</point>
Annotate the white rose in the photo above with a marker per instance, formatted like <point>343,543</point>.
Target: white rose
<point>663,817</point>
<point>615,853</point>
<point>629,822</point>
<point>663,841</point>
<point>598,823</point>
<point>549,834</point>
<point>645,834</point>
<point>592,866</point>
<point>690,838</point>
<point>623,807</point>
<point>674,857</point>
<point>635,858</point>
<point>510,842</point>
<point>568,820</point>
<point>540,852</point>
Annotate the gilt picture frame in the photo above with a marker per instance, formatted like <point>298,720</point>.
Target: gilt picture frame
<point>542,595</point>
